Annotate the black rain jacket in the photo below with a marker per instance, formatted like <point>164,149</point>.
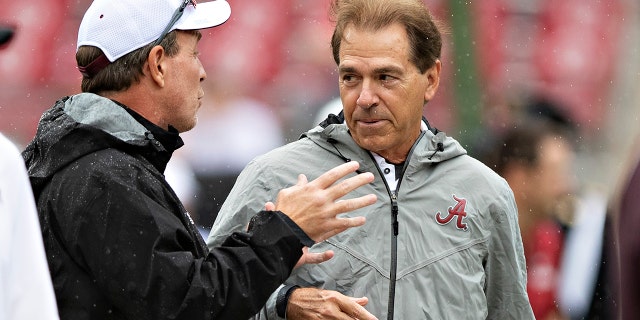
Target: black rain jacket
<point>119,243</point>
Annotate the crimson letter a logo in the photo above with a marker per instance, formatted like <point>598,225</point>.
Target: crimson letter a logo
<point>457,210</point>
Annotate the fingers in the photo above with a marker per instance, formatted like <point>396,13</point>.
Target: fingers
<point>342,224</point>
<point>319,257</point>
<point>355,203</point>
<point>361,301</point>
<point>313,257</point>
<point>314,303</point>
<point>330,177</point>
<point>344,187</point>
<point>355,308</point>
<point>314,205</point>
<point>361,313</point>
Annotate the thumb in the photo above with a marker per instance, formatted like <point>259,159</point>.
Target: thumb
<point>269,206</point>
<point>302,180</point>
<point>320,257</point>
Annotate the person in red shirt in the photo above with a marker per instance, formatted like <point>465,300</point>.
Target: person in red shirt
<point>535,156</point>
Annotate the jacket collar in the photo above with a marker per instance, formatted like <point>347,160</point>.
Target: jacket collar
<point>169,139</point>
<point>431,147</point>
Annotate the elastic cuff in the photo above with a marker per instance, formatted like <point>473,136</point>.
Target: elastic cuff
<point>283,299</point>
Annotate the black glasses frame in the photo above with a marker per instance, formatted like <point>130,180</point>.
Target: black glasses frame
<point>176,16</point>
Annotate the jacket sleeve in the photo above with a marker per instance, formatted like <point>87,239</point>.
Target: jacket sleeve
<point>143,258</point>
<point>254,187</point>
<point>268,312</point>
<point>505,269</point>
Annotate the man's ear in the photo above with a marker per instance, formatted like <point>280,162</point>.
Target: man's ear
<point>433,76</point>
<point>155,65</point>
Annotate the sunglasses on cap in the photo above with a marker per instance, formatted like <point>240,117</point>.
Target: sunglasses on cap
<point>176,16</point>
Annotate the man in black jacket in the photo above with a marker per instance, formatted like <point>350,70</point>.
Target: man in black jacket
<point>119,243</point>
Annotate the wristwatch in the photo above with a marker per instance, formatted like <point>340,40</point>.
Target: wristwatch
<point>283,299</point>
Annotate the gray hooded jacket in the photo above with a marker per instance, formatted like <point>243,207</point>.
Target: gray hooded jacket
<point>445,244</point>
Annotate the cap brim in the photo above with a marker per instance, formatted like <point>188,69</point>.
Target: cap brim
<point>204,15</point>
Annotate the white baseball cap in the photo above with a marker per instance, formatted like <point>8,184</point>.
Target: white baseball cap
<point>119,27</point>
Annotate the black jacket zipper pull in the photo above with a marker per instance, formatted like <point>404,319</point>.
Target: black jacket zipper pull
<point>394,214</point>
<point>155,143</point>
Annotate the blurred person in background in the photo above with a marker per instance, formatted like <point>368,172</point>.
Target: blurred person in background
<point>536,157</point>
<point>232,129</point>
<point>628,238</point>
<point>119,242</point>
<point>587,269</point>
<point>443,241</point>
<point>565,224</point>
<point>182,179</point>
<point>306,79</point>
<point>26,291</point>
<point>333,106</point>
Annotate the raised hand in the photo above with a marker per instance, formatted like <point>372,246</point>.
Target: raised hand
<point>314,205</point>
<point>307,257</point>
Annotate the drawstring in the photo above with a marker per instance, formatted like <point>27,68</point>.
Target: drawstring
<point>439,137</point>
<point>440,147</point>
<point>340,155</point>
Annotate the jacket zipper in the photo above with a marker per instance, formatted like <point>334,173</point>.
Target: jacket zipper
<point>394,255</point>
<point>186,219</point>
<point>395,228</point>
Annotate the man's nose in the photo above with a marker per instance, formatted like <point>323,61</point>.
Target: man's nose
<point>368,97</point>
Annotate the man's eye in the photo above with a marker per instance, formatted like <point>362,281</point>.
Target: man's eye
<point>348,78</point>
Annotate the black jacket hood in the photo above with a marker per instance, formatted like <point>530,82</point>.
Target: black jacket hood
<point>82,124</point>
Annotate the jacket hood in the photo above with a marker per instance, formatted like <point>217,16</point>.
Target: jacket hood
<point>76,126</point>
<point>432,146</point>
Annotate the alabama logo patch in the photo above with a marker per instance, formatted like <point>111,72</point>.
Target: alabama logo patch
<point>457,211</point>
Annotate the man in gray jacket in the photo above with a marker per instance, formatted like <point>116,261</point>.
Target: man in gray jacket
<point>442,242</point>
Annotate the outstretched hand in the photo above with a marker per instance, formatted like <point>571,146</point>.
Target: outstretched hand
<point>314,205</point>
<point>307,257</point>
